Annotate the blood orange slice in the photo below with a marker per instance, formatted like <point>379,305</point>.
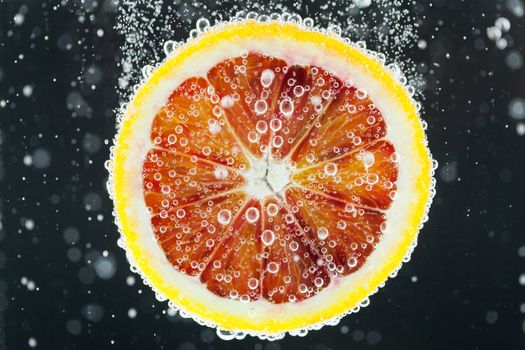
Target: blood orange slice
<point>269,178</point>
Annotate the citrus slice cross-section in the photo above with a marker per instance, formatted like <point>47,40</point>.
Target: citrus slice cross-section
<point>268,177</point>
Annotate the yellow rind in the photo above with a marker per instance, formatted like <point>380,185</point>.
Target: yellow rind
<point>121,193</point>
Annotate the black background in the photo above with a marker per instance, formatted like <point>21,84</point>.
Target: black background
<point>461,289</point>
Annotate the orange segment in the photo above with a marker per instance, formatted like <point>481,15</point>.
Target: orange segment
<point>190,124</point>
<point>366,177</point>
<point>305,94</point>
<point>351,121</point>
<point>247,91</point>
<point>234,271</point>
<point>344,234</point>
<point>293,269</point>
<point>191,233</point>
<point>171,180</point>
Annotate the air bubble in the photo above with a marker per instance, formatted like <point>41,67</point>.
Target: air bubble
<point>308,22</point>
<point>368,160</point>
<point>203,24</point>
<point>261,107</point>
<point>286,107</point>
<point>252,214</point>
<point>227,101</point>
<point>330,169</point>
<point>272,267</point>
<point>272,209</point>
<point>224,216</point>
<point>261,126</point>
<point>322,233</point>
<point>268,237</point>
<point>267,77</point>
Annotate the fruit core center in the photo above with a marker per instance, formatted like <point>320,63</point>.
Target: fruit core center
<point>267,177</point>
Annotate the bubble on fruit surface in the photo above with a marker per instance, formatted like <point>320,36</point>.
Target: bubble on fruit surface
<point>268,237</point>
<point>267,77</point>
<point>224,216</point>
<point>252,214</point>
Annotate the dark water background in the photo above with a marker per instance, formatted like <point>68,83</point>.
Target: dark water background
<point>64,284</point>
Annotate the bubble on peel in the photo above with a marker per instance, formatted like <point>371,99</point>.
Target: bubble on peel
<point>203,24</point>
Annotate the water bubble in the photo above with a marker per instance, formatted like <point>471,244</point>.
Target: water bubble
<point>267,76</point>
<point>272,209</point>
<point>322,233</point>
<point>132,313</point>
<point>286,107</point>
<point>362,3</point>
<point>203,24</point>
<point>260,107</point>
<point>360,93</point>
<point>147,70</point>
<point>169,47</point>
<point>368,160</point>
<point>224,216</point>
<point>334,29</point>
<point>261,126</point>
<point>252,214</point>
<point>268,237</point>
<point>330,169</point>
<point>276,124</point>
<point>227,101</point>
<point>308,22</point>
<point>517,108</point>
<point>221,173</point>
<point>252,137</point>
<point>272,267</point>
<point>253,283</point>
<point>351,262</point>
<point>32,342</point>
<point>277,141</point>
<point>318,281</point>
